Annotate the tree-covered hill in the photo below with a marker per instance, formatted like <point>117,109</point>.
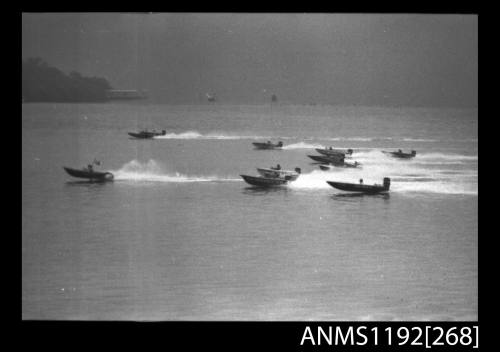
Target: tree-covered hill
<point>43,83</point>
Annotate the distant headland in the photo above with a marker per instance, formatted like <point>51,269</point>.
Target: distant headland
<point>43,83</point>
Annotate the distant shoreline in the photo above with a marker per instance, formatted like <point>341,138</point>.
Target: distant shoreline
<point>149,101</point>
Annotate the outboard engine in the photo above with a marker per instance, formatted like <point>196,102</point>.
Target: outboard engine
<point>387,182</point>
<point>349,151</point>
<point>163,132</point>
<point>297,170</point>
<point>413,152</point>
<point>280,144</point>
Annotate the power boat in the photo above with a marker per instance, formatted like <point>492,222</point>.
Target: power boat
<point>361,188</point>
<point>326,167</point>
<point>272,177</point>
<point>288,175</point>
<point>145,134</point>
<point>400,154</point>
<point>353,165</point>
<point>264,181</point>
<point>331,159</point>
<point>268,145</point>
<point>331,151</point>
<point>90,174</point>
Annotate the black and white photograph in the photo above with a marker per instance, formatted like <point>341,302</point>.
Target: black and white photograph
<point>255,167</point>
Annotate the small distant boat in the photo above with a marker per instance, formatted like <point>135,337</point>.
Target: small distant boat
<point>354,164</point>
<point>360,187</point>
<point>330,159</point>
<point>287,175</point>
<point>268,145</point>
<point>145,134</point>
<point>90,174</point>
<point>327,167</point>
<point>211,97</point>
<point>400,154</point>
<point>331,151</point>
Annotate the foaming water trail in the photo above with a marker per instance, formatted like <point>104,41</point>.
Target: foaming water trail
<point>152,171</point>
<point>219,136</point>
<point>183,135</point>
<point>191,134</point>
<point>375,156</point>
<point>350,139</point>
<point>406,175</point>
<point>393,139</point>
<point>315,179</point>
<point>450,157</point>
<point>418,140</point>
<point>302,145</point>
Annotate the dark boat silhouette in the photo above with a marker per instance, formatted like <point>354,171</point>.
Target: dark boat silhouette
<point>288,175</point>
<point>272,177</point>
<point>147,134</point>
<point>400,154</point>
<point>334,152</point>
<point>264,181</point>
<point>90,174</point>
<point>360,187</point>
<point>268,145</point>
<point>211,97</point>
<point>331,159</point>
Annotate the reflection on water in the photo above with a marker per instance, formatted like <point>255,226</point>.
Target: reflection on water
<point>264,190</point>
<point>341,196</point>
<point>142,139</point>
<point>86,183</point>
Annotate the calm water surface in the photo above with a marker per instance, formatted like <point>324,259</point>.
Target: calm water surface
<point>180,236</point>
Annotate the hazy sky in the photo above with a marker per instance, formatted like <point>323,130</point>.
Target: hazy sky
<point>347,59</point>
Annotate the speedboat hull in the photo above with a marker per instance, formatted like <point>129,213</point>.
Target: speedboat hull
<point>326,167</point>
<point>141,135</point>
<point>90,175</point>
<point>339,159</point>
<point>361,188</point>
<point>402,155</point>
<point>264,181</point>
<point>259,145</point>
<point>334,152</point>
<point>146,134</point>
<point>285,174</point>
